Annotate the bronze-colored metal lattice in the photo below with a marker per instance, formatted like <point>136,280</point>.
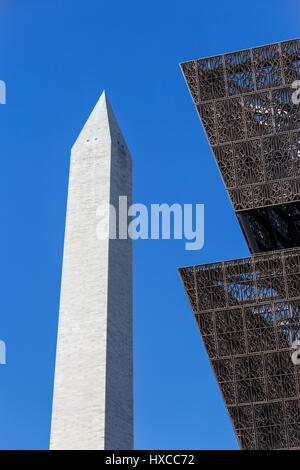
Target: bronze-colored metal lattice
<point>248,313</point>
<point>248,310</point>
<point>244,101</point>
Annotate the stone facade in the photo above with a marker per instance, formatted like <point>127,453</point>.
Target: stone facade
<point>93,390</point>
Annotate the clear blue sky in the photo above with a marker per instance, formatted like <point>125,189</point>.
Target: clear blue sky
<point>56,58</point>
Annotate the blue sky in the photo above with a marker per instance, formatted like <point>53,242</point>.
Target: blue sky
<point>56,58</point>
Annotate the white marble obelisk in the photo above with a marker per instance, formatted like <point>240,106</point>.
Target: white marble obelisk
<point>93,389</point>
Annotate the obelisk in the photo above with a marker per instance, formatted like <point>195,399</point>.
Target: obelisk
<point>93,389</point>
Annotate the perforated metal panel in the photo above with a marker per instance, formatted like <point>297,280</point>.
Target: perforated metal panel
<point>248,314</point>
<point>248,310</point>
<point>244,101</point>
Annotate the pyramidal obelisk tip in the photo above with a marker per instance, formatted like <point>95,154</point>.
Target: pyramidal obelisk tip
<point>104,98</point>
<point>103,95</point>
<point>101,123</point>
<point>101,100</point>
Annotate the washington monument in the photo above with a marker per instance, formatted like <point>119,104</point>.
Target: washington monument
<point>93,390</point>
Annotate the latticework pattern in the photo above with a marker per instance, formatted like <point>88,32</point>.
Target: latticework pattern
<point>244,101</point>
<point>248,314</point>
<point>248,310</point>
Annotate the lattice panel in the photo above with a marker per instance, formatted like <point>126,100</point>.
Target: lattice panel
<point>290,52</point>
<point>248,315</point>
<point>244,101</point>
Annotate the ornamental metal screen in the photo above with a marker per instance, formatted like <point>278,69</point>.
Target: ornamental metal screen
<point>248,310</point>
<point>244,101</point>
